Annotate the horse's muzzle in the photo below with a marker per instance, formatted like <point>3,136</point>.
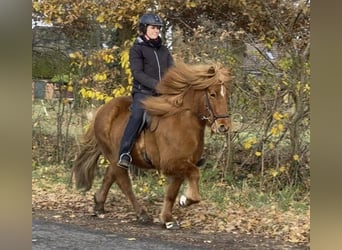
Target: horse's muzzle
<point>221,126</point>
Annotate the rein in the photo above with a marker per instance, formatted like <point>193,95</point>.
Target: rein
<point>212,114</point>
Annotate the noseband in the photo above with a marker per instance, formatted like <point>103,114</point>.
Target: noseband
<point>212,114</point>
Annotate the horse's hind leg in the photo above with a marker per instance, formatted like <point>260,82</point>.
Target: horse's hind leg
<point>101,195</point>
<point>124,183</point>
<point>121,177</point>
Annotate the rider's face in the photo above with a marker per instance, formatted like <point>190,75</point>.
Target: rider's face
<point>152,31</point>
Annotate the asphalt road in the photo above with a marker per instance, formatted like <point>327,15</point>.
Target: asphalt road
<point>49,235</point>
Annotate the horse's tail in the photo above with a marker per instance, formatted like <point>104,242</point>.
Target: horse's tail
<point>85,165</point>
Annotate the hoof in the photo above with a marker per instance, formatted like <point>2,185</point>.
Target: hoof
<point>182,201</point>
<point>98,213</point>
<point>98,208</point>
<point>171,225</point>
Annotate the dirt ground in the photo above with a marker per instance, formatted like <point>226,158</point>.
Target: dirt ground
<point>124,222</point>
<point>191,236</point>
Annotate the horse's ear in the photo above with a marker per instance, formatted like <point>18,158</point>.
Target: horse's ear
<point>211,70</point>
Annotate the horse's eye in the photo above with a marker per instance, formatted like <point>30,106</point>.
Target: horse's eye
<point>213,95</point>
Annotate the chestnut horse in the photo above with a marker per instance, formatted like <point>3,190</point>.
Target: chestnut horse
<point>191,98</point>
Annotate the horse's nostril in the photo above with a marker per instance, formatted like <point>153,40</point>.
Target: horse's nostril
<point>222,128</point>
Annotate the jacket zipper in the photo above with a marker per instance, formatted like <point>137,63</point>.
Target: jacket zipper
<point>155,53</point>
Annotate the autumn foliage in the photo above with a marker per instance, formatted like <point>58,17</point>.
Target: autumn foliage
<point>267,45</point>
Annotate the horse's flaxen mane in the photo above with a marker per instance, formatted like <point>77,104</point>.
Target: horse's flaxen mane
<point>178,80</point>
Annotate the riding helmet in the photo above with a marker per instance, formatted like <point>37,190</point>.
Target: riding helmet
<point>149,19</point>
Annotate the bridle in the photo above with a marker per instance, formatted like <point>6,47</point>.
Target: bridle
<point>211,112</point>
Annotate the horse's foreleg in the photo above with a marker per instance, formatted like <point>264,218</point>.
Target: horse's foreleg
<point>169,200</point>
<point>192,194</point>
<point>124,183</point>
<point>101,195</point>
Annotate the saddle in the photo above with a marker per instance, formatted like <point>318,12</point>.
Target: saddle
<point>146,124</point>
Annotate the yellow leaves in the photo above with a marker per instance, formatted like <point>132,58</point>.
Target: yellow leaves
<point>282,169</point>
<point>135,19</point>
<point>277,116</point>
<point>161,180</point>
<point>118,25</point>
<point>285,83</point>
<point>145,188</point>
<point>103,162</point>
<point>100,77</point>
<point>95,70</point>
<point>98,60</point>
<point>273,172</point>
<point>72,55</point>
<point>107,99</point>
<point>279,127</point>
<point>258,153</point>
<point>306,88</point>
<point>190,4</point>
<point>278,171</point>
<point>100,18</point>
<point>76,55</point>
<point>82,92</point>
<point>296,157</point>
<point>108,58</point>
<point>120,91</point>
<point>91,94</point>
<point>70,88</point>
<point>125,59</point>
<point>99,96</point>
<point>124,56</point>
<point>248,143</point>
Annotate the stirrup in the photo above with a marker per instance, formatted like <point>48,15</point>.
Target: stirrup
<point>126,154</point>
<point>124,163</point>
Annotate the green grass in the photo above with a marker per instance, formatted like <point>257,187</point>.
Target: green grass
<point>247,193</point>
<point>44,119</point>
<point>150,187</point>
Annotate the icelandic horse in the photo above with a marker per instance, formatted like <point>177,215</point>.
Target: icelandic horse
<point>192,97</point>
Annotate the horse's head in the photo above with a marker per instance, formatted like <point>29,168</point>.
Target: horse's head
<point>201,88</point>
<point>216,103</point>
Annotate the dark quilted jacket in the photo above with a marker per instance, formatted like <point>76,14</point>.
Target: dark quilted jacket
<point>148,61</point>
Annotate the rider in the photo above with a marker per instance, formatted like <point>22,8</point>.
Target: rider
<point>149,59</point>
